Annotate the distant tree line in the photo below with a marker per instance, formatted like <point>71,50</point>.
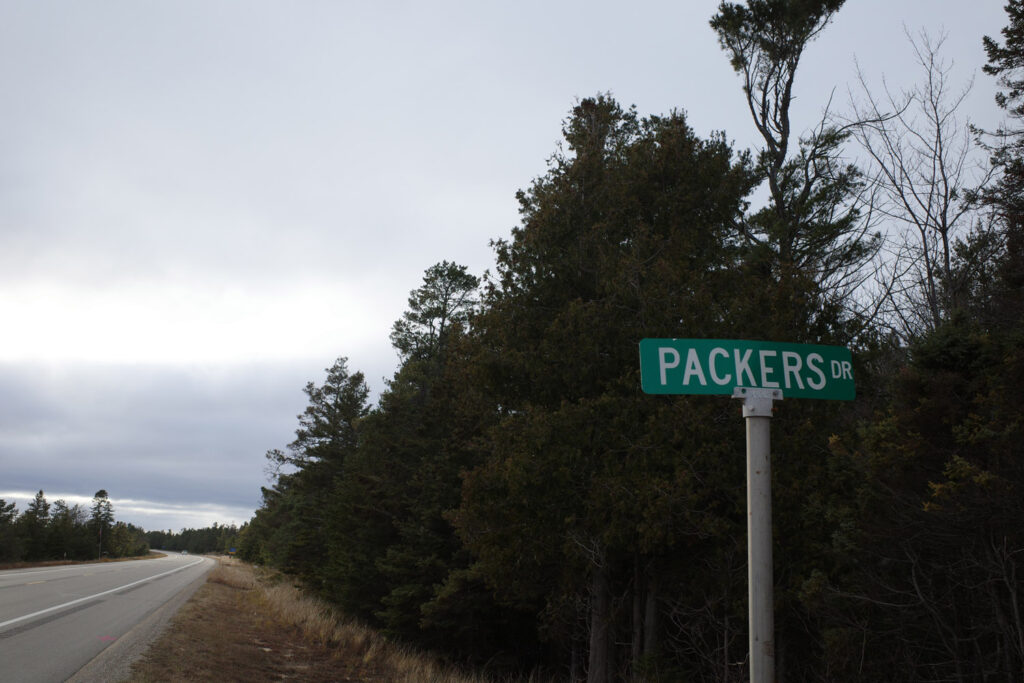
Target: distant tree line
<point>212,539</point>
<point>59,531</point>
<point>514,500</point>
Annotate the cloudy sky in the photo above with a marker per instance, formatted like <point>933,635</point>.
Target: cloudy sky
<point>204,203</point>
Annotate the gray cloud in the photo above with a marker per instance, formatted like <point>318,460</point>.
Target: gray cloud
<point>167,435</point>
<point>202,204</point>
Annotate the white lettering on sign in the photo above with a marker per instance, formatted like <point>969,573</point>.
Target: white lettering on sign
<point>718,366</point>
<point>743,365</point>
<point>693,368</point>
<point>791,364</point>
<point>663,353</point>
<point>719,352</point>
<point>766,370</point>
<point>816,369</point>
<point>795,370</point>
<point>842,370</point>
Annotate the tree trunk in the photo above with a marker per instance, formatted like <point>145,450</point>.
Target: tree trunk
<point>651,614</point>
<point>636,648</point>
<point>599,669</point>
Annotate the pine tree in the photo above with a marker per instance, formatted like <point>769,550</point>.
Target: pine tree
<point>391,543</point>
<point>11,546</point>
<point>808,245</point>
<point>588,488</point>
<point>290,529</point>
<point>101,520</point>
<point>35,521</point>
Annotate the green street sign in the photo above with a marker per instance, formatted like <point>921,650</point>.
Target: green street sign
<point>717,366</point>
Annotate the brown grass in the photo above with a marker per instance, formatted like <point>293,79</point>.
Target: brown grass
<point>245,624</point>
<point>228,573</point>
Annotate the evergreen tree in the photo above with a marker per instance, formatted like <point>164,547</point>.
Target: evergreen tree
<point>11,545</point>
<point>101,520</point>
<point>290,529</point>
<point>442,303</point>
<point>588,489</point>
<point>34,521</point>
<point>804,257</point>
<point>1006,63</point>
<point>127,540</point>
<point>1006,197</point>
<point>808,245</point>
<point>391,543</point>
<point>69,534</point>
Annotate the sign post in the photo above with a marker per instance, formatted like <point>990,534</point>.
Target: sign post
<point>757,413</point>
<point>757,373</point>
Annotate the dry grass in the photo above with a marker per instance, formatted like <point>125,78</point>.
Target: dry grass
<point>228,573</point>
<point>248,625</point>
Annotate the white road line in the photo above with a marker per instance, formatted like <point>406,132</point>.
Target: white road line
<point>46,570</point>
<point>5,574</point>
<point>5,624</point>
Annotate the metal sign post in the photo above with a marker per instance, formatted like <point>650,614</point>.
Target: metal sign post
<point>758,373</point>
<point>757,413</point>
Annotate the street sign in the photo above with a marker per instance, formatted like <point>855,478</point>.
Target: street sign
<point>717,366</point>
<point>758,373</point>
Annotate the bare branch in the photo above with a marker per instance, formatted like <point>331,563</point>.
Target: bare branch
<point>924,166</point>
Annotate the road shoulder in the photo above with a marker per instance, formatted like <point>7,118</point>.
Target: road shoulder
<point>114,663</point>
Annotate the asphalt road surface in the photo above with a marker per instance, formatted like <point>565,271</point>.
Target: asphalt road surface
<point>56,620</point>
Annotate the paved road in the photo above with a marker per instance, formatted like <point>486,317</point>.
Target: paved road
<point>55,620</point>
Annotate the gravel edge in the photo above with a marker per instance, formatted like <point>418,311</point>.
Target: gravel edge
<point>115,662</point>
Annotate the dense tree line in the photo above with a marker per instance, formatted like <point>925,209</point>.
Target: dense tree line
<point>60,531</point>
<point>219,538</point>
<point>513,499</point>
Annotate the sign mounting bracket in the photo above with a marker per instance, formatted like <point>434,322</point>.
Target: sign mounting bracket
<point>757,402</point>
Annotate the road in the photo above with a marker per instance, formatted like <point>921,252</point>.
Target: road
<point>55,620</point>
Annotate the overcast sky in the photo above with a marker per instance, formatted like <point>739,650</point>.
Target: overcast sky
<point>203,203</point>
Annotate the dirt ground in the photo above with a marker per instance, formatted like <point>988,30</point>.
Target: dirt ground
<point>230,633</point>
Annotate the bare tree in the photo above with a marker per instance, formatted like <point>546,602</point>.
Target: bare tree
<point>923,165</point>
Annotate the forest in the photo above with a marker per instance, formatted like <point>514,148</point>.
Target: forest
<point>515,502</point>
<point>58,531</point>
<point>218,539</point>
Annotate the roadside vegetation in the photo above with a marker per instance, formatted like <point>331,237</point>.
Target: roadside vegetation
<point>514,501</point>
<point>218,538</point>
<point>60,563</point>
<point>255,625</point>
<point>58,531</point>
